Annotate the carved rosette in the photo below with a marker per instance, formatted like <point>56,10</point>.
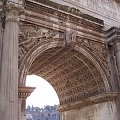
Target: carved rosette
<point>13,12</point>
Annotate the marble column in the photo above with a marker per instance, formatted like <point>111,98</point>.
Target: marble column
<point>1,35</point>
<point>9,67</point>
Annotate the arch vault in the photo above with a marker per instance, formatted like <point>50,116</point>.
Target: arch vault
<point>75,52</point>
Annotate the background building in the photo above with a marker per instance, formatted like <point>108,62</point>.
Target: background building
<point>46,113</point>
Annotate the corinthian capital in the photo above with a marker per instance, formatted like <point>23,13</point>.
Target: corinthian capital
<point>13,12</point>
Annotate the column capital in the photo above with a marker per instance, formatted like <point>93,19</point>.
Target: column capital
<point>113,35</point>
<point>13,12</point>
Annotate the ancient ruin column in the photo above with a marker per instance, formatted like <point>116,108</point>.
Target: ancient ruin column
<point>1,34</point>
<point>9,67</point>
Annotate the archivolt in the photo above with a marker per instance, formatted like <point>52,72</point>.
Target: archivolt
<point>31,55</point>
<point>73,72</point>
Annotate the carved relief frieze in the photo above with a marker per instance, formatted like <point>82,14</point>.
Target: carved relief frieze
<point>31,35</point>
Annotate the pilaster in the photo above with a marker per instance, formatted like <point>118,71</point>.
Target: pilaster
<point>113,43</point>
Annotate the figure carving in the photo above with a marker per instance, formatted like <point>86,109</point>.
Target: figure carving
<point>31,35</point>
<point>70,37</point>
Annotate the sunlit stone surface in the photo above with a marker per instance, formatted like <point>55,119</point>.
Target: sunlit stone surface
<point>73,44</point>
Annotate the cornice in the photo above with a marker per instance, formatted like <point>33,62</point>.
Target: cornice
<point>98,35</point>
<point>90,101</point>
<point>24,92</point>
<point>113,35</point>
<point>51,7</point>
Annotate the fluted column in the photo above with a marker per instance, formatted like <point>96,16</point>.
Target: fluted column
<point>9,67</point>
<point>1,35</point>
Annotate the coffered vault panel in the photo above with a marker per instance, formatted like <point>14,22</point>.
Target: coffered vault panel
<point>73,76</point>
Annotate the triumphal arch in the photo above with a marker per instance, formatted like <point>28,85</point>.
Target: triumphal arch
<point>73,44</point>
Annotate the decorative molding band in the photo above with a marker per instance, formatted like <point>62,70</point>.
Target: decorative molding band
<point>90,101</point>
<point>24,92</point>
<point>113,35</point>
<point>64,11</point>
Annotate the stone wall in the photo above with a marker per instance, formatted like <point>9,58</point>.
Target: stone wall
<point>102,111</point>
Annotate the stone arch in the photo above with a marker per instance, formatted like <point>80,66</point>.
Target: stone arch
<point>31,55</point>
<point>96,62</point>
<point>79,90</point>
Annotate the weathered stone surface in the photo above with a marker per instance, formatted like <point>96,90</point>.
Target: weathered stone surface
<point>66,43</point>
<point>101,111</point>
<point>107,10</point>
<point>9,66</point>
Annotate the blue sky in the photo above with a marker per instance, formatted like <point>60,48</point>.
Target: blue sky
<point>44,93</point>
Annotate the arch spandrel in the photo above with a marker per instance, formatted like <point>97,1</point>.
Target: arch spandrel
<point>30,35</point>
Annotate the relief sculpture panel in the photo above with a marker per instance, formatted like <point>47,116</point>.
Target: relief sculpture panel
<point>30,35</point>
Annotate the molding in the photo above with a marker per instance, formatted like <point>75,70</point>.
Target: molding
<point>113,35</point>
<point>90,101</point>
<point>61,9</point>
<point>24,92</point>
<point>77,4</point>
